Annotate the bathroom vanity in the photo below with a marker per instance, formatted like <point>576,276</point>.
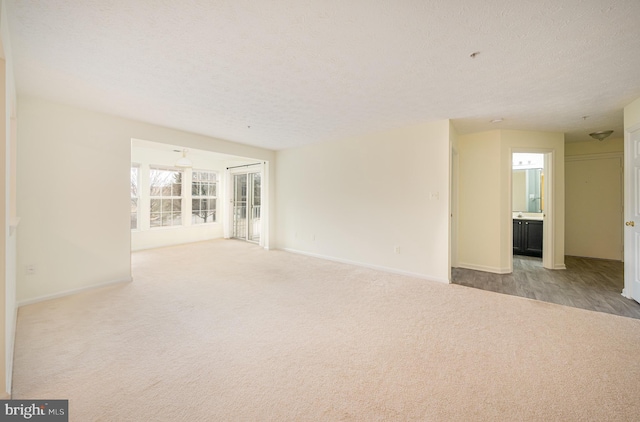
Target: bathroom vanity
<point>527,236</point>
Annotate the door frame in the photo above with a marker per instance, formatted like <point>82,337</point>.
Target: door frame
<point>454,177</point>
<point>548,230</point>
<point>630,203</point>
<point>262,168</point>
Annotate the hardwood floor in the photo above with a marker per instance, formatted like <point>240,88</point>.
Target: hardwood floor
<point>587,283</point>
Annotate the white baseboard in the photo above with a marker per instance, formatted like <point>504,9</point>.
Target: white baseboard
<point>72,292</point>
<point>365,265</point>
<point>560,267</point>
<point>495,270</point>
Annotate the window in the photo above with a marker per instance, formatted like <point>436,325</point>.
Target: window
<point>203,197</point>
<point>135,183</point>
<point>165,207</point>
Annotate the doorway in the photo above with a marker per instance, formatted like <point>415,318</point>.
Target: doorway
<point>535,196</point>
<point>246,205</point>
<point>528,204</point>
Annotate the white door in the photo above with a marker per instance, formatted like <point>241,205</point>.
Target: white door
<point>632,214</point>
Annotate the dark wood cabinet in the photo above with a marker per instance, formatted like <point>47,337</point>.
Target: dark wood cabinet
<point>527,237</point>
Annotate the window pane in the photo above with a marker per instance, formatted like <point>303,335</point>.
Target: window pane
<point>155,191</point>
<point>165,182</point>
<point>134,182</point>
<point>166,190</point>
<point>203,211</point>
<point>156,219</point>
<point>203,191</point>
<point>134,213</point>
<point>155,205</point>
<point>177,189</point>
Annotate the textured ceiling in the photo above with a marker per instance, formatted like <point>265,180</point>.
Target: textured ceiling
<point>284,73</point>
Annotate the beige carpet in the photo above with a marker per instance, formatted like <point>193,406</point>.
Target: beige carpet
<point>225,331</point>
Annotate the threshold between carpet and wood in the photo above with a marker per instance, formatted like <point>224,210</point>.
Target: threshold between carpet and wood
<point>224,330</point>
<point>587,283</point>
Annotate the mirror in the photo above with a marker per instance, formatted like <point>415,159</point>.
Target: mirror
<point>528,183</point>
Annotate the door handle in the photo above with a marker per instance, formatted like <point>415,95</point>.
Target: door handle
<point>630,223</point>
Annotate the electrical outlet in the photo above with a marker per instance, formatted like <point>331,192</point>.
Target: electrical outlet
<point>396,249</point>
<point>30,269</point>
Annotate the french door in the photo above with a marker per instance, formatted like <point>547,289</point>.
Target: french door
<point>246,204</point>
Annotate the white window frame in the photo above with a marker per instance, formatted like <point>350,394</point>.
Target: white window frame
<point>193,197</point>
<point>179,222</point>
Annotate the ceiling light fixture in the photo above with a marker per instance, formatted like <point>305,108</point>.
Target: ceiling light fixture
<point>601,135</point>
<point>183,161</point>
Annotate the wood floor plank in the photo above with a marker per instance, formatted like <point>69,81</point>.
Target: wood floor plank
<point>587,283</point>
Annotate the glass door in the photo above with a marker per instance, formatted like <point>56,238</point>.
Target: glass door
<point>246,206</point>
<point>254,208</point>
<point>239,206</point>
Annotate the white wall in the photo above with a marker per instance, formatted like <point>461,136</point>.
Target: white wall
<point>632,114</point>
<point>356,199</point>
<point>8,310</point>
<point>454,164</point>
<point>485,225</point>
<point>73,194</point>
<point>479,201</point>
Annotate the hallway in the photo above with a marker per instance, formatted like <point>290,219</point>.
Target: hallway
<point>593,284</point>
